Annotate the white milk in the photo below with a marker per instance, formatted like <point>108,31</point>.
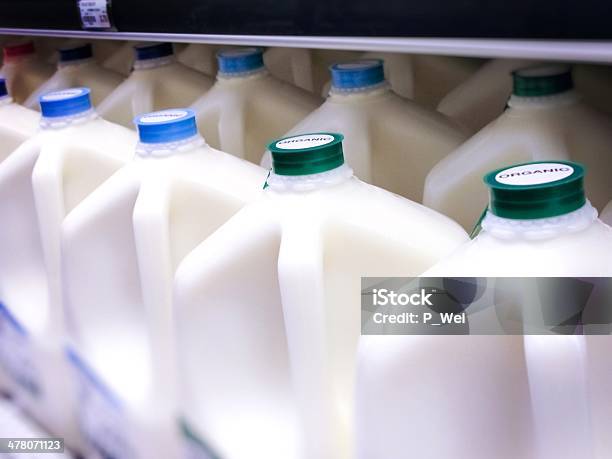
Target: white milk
<point>202,58</point>
<point>483,97</point>
<point>40,182</point>
<point>268,307</point>
<point>247,106</point>
<point>390,142</point>
<point>122,60</point>
<point>138,226</point>
<point>545,119</point>
<point>23,70</point>
<point>17,123</point>
<point>478,397</point>
<point>158,81</point>
<point>76,68</point>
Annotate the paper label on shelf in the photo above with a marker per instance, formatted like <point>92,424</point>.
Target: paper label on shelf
<point>16,352</point>
<point>193,446</point>
<point>101,418</point>
<point>94,14</point>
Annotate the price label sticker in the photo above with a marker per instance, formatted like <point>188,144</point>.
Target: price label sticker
<point>94,14</point>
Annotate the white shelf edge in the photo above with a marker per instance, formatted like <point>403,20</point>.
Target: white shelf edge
<point>560,50</point>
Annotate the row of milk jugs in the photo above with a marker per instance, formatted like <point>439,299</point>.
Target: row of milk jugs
<point>161,298</point>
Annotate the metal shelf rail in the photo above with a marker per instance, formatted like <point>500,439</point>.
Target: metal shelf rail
<point>543,29</point>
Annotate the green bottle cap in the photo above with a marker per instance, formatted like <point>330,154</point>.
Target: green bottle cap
<point>542,80</point>
<point>307,154</point>
<point>536,190</point>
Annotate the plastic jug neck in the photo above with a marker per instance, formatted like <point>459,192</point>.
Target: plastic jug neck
<point>554,101</point>
<point>18,52</point>
<point>542,228</point>
<point>75,55</point>
<point>153,55</point>
<point>153,63</point>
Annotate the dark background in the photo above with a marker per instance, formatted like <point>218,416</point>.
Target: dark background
<point>562,19</point>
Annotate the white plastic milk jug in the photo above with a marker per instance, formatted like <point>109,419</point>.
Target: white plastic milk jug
<point>23,70</point>
<point>157,82</point>
<point>247,106</point>
<point>390,142</point>
<point>40,183</point>
<point>77,68</point>
<point>138,226</point>
<point>504,396</point>
<point>545,120</point>
<point>268,307</point>
<point>17,123</point>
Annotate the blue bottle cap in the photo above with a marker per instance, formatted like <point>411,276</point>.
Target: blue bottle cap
<point>241,60</point>
<point>148,51</point>
<point>357,74</point>
<point>65,102</point>
<point>76,53</point>
<point>3,90</point>
<point>166,125</point>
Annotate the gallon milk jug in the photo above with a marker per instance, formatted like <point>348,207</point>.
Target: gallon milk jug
<point>138,226</point>
<point>545,119</point>
<point>76,68</point>
<point>17,123</point>
<point>390,142</point>
<point>40,182</point>
<point>202,58</point>
<point>247,106</point>
<point>157,82</point>
<point>268,307</point>
<point>23,70</point>
<point>122,60</point>
<point>499,396</point>
<point>483,97</point>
